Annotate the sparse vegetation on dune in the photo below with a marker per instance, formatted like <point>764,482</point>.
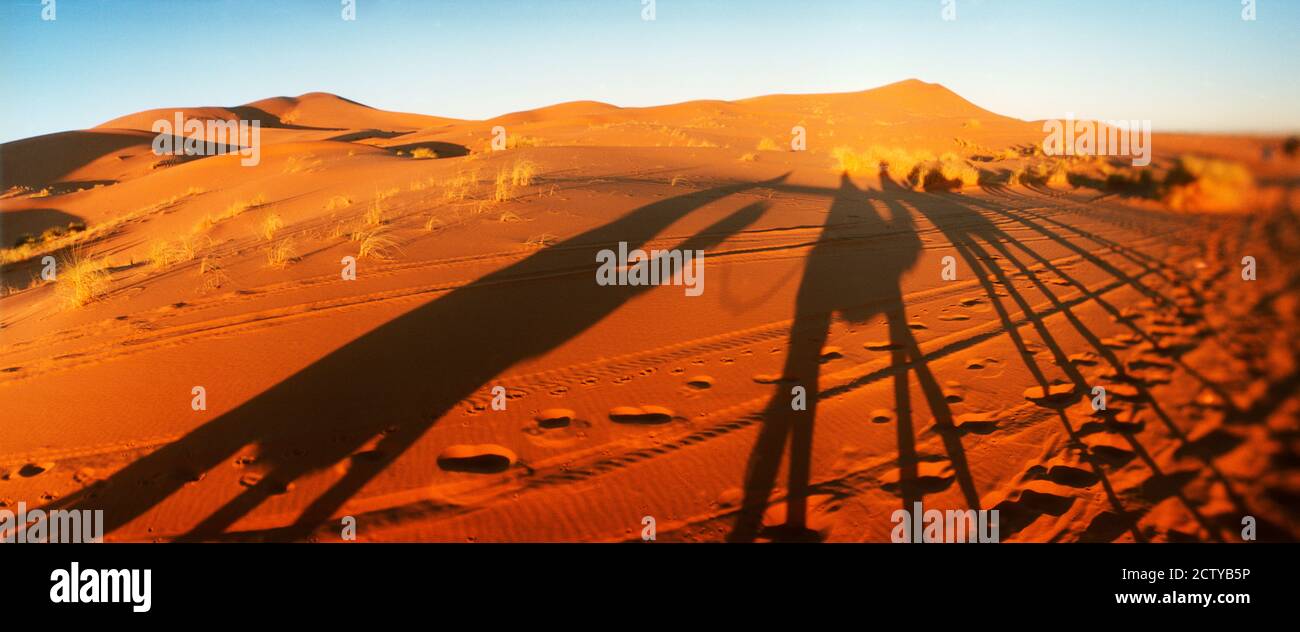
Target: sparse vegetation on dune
<point>918,169</point>
<point>280,253</point>
<point>374,215</point>
<point>519,174</point>
<point>537,242</point>
<point>423,153</point>
<point>1197,183</point>
<point>767,144</point>
<point>164,254</point>
<point>461,186</point>
<point>54,240</point>
<point>270,225</point>
<point>1191,183</point>
<point>338,202</point>
<point>374,244</point>
<point>522,172</point>
<point>81,280</point>
<point>238,207</point>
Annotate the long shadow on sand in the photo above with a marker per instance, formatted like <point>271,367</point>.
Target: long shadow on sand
<point>395,381</point>
<point>856,279</point>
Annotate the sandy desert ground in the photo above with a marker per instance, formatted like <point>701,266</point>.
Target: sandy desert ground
<point>372,397</point>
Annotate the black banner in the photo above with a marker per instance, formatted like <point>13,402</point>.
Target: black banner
<point>327,581</point>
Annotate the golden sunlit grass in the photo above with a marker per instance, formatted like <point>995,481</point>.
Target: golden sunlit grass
<point>1207,184</point>
<point>950,171</point>
<point>913,168</point>
<point>27,247</point>
<point>767,144</point>
<point>374,215</point>
<point>374,245</point>
<point>338,202</point>
<point>515,142</point>
<point>270,225</point>
<point>749,157</point>
<point>461,186</point>
<point>280,253</point>
<point>540,241</point>
<point>522,173</point>
<point>238,207</point>
<point>503,188</point>
<point>81,280</point>
<point>164,254</point>
<point>212,275</point>
<point>423,153</point>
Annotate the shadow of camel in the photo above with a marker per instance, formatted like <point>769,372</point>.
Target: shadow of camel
<point>394,382</point>
<point>968,225</point>
<point>858,280</point>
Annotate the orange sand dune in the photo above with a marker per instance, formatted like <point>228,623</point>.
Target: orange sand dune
<point>476,270</point>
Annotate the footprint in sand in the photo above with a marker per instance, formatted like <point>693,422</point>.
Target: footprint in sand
<point>1110,449</point>
<point>640,414</point>
<point>253,479</point>
<point>555,417</point>
<point>978,423</point>
<point>1067,474</point>
<point>1051,396</point>
<point>819,520</point>
<point>953,317</point>
<point>1128,314</point>
<point>932,475</point>
<point>830,353</point>
<point>773,378</point>
<point>1123,390</point>
<point>1085,358</point>
<point>483,458</point>
<point>954,392</point>
<point>700,382</point>
<point>917,325</point>
<point>881,345</point>
<point>34,469</point>
<point>882,416</point>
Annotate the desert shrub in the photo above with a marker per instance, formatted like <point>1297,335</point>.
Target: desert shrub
<point>1206,184</point>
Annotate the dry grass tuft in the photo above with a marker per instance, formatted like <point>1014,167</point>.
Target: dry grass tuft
<point>270,225</point>
<point>1197,183</point>
<point>280,253</point>
<point>374,245</point>
<point>164,254</point>
<point>81,280</point>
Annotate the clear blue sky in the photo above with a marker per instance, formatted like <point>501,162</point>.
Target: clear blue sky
<point>1184,64</point>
